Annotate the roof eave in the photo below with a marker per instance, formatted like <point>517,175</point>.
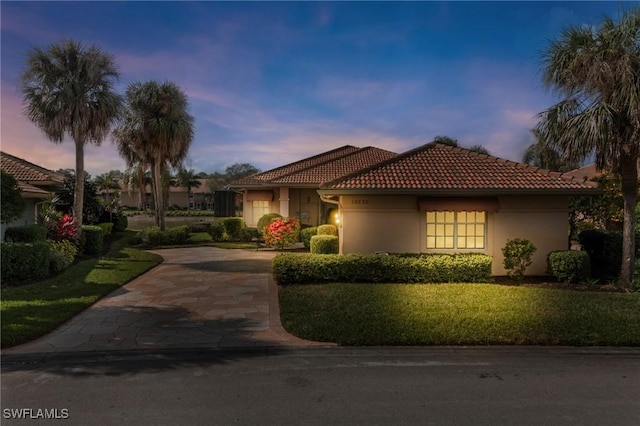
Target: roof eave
<point>459,192</point>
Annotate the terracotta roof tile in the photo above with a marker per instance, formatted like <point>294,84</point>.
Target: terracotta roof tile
<point>441,167</point>
<point>25,171</point>
<point>319,168</point>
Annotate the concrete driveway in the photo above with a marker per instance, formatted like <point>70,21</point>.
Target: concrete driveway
<point>200,297</point>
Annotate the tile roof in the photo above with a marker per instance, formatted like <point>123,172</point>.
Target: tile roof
<point>445,168</point>
<point>25,171</point>
<point>319,168</point>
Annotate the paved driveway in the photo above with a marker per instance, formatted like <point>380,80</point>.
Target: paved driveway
<point>201,297</point>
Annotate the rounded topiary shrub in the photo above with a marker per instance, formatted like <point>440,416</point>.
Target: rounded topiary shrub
<point>249,234</point>
<point>324,244</point>
<point>306,235</point>
<point>120,222</point>
<point>569,266</point>
<point>24,261</point>
<point>265,220</point>
<point>232,227</point>
<point>327,230</point>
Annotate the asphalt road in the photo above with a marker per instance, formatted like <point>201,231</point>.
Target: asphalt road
<point>328,386</point>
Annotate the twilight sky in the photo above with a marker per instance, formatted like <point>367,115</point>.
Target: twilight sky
<point>270,83</point>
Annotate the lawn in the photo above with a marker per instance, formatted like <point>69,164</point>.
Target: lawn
<point>458,314</point>
<point>34,310</point>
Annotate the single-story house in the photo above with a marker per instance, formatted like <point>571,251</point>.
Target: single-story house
<point>199,198</point>
<point>291,190</point>
<point>444,199</point>
<point>36,184</point>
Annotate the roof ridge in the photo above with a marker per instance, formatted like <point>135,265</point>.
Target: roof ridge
<point>344,147</point>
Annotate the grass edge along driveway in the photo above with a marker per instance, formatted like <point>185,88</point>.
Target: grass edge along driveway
<point>33,310</point>
<point>458,314</point>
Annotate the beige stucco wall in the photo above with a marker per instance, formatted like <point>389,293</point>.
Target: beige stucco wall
<point>394,224</point>
<point>303,203</point>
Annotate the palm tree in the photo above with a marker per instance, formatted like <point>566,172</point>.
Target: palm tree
<point>187,179</point>
<point>68,90</point>
<point>158,129</point>
<point>546,156</point>
<point>597,72</point>
<point>106,182</point>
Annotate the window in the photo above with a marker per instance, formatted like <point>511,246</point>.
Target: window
<point>456,230</point>
<point>260,208</point>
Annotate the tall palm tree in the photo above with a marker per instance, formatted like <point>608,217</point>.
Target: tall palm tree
<point>106,182</point>
<point>68,90</point>
<point>187,179</point>
<point>157,127</point>
<point>597,72</point>
<point>546,156</point>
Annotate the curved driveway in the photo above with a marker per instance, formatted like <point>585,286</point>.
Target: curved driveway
<point>200,297</point>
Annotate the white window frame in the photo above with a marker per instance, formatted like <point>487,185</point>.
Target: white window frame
<point>453,230</point>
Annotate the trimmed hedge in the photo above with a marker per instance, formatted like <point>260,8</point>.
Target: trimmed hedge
<point>25,234</point>
<point>63,253</point>
<point>372,268</point>
<point>249,234</point>
<point>24,261</point>
<point>107,227</point>
<point>327,230</point>
<point>306,234</point>
<point>232,227</point>
<point>569,266</point>
<point>120,222</point>
<point>216,230</point>
<point>324,244</point>
<point>92,240</point>
<point>153,236</point>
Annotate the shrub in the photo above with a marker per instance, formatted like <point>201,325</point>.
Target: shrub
<point>232,227</point>
<point>373,268</point>
<point>327,230</point>
<point>281,232</point>
<point>153,236</point>
<point>176,235</point>
<point>569,266</point>
<point>25,234</point>
<point>92,240</point>
<point>199,237</point>
<point>63,254</point>
<point>249,234</point>
<point>107,227</point>
<point>66,229</point>
<point>306,234</point>
<point>198,227</point>
<point>216,230</point>
<point>120,222</point>
<point>517,257</point>
<point>324,244</point>
<point>24,261</point>
<point>265,220</point>
<point>605,251</point>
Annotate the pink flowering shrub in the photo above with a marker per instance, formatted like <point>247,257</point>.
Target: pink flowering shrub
<point>66,229</point>
<point>281,232</point>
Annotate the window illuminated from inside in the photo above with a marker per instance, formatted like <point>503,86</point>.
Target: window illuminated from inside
<point>260,208</point>
<point>456,230</point>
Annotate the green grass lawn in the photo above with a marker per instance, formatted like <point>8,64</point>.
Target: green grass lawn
<point>458,314</point>
<point>34,310</point>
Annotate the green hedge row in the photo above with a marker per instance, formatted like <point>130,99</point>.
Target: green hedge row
<point>24,261</point>
<point>92,240</point>
<point>25,234</point>
<point>358,268</point>
<point>154,236</point>
<point>324,244</point>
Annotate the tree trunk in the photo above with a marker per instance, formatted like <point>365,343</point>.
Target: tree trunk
<point>78,199</point>
<point>158,193</point>
<point>629,178</point>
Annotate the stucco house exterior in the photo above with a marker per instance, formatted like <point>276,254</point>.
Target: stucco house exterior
<point>444,199</point>
<point>199,198</point>
<point>35,183</point>
<point>291,190</point>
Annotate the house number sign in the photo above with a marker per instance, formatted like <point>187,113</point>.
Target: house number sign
<point>359,201</point>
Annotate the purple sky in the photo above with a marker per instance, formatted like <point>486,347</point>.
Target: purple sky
<point>270,83</point>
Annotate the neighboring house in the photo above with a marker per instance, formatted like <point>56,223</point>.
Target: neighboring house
<point>199,199</point>
<point>438,198</point>
<point>291,190</point>
<point>35,183</point>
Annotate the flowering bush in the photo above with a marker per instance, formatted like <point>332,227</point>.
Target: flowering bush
<point>281,232</point>
<point>66,229</point>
